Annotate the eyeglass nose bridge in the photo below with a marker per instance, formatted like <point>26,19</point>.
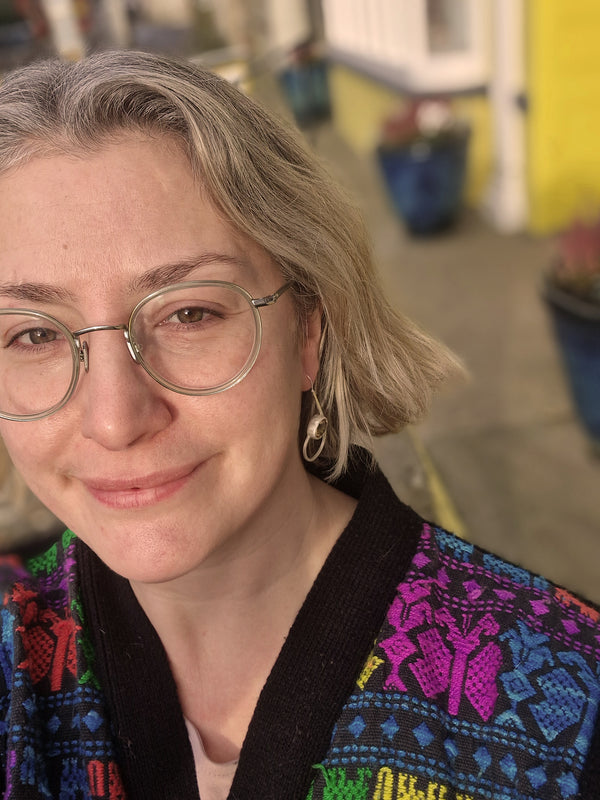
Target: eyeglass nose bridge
<point>83,348</point>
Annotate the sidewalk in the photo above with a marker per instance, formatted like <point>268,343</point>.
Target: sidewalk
<point>501,458</point>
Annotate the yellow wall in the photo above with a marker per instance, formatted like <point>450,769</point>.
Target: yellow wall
<point>564,118</point>
<point>360,103</point>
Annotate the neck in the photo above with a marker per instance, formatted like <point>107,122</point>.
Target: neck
<point>223,624</point>
<point>264,572</point>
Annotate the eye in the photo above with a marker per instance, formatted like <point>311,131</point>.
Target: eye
<point>189,315</point>
<point>35,336</point>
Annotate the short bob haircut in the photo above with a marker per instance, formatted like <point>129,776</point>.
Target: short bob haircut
<point>377,370</point>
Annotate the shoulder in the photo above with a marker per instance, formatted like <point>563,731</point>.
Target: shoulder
<point>37,600</point>
<point>484,679</point>
<point>468,578</point>
<point>46,576</point>
<point>500,617</point>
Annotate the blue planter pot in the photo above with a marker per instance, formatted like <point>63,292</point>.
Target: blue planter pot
<point>425,182</point>
<point>577,329</point>
<point>306,90</point>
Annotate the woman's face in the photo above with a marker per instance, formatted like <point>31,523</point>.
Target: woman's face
<point>154,482</point>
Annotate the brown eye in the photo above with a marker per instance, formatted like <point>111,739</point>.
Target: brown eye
<point>42,335</point>
<point>190,315</point>
<point>37,336</point>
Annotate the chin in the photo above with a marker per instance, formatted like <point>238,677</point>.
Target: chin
<point>146,570</point>
<point>148,553</point>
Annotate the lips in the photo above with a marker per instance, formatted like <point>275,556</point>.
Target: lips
<point>137,492</point>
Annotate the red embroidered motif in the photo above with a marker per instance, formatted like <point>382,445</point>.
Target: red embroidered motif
<point>567,599</point>
<point>48,639</point>
<point>105,776</point>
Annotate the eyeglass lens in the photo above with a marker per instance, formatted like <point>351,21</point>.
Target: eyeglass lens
<point>194,339</point>
<point>36,363</point>
<point>197,339</point>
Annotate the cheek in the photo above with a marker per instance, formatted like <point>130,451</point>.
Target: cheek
<point>266,404</point>
<point>263,406</point>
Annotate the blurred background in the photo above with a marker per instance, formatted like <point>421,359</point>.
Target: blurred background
<point>466,130</point>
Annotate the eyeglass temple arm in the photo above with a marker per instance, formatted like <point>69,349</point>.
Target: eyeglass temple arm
<point>260,302</point>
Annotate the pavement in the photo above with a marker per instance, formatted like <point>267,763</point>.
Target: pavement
<point>501,459</point>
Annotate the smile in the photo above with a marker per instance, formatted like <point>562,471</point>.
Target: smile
<point>138,492</point>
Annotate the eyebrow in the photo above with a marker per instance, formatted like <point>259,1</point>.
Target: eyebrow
<point>148,281</point>
<point>36,292</point>
<point>166,274</point>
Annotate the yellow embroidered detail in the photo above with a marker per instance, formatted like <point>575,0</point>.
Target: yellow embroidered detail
<point>402,786</point>
<point>369,668</point>
<point>385,785</point>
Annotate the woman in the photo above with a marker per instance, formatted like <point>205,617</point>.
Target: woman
<point>194,346</point>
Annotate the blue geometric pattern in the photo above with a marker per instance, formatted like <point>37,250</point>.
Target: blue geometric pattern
<point>568,785</point>
<point>390,727</point>
<point>93,720</point>
<point>517,686</point>
<point>508,765</point>
<point>357,726</point>
<point>423,735</point>
<point>537,777</point>
<point>500,567</point>
<point>459,548</point>
<point>54,723</point>
<point>563,706</point>
<point>483,758</point>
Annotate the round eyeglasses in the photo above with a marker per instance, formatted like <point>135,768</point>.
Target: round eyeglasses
<point>194,338</point>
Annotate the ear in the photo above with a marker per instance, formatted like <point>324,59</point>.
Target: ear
<point>309,347</point>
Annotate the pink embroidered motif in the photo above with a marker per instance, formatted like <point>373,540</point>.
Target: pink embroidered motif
<point>409,610</point>
<point>453,656</point>
<point>480,685</point>
<point>433,670</point>
<point>465,640</point>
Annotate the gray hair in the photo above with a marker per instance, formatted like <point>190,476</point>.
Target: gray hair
<point>377,370</point>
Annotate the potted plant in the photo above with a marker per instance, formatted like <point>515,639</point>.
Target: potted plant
<point>572,293</point>
<point>305,85</point>
<point>422,153</point>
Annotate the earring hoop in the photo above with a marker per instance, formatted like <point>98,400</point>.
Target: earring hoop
<point>316,430</point>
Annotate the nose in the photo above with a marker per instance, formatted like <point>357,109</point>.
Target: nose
<point>119,402</point>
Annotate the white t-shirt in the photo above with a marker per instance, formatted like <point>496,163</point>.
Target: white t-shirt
<point>214,780</point>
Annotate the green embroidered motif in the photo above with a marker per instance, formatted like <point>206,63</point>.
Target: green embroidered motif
<point>339,787</point>
<point>45,563</point>
<point>67,538</point>
<point>83,639</point>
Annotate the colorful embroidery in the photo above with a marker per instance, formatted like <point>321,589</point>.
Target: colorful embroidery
<point>57,739</point>
<point>489,687</point>
<point>484,683</point>
<point>383,784</point>
<point>372,663</point>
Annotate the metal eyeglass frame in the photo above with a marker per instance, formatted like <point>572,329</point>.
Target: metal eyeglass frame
<point>80,350</point>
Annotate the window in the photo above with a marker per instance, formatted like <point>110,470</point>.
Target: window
<point>422,46</point>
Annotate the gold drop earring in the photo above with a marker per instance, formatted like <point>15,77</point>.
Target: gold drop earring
<point>316,430</point>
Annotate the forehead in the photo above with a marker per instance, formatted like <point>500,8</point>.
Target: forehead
<point>108,216</point>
